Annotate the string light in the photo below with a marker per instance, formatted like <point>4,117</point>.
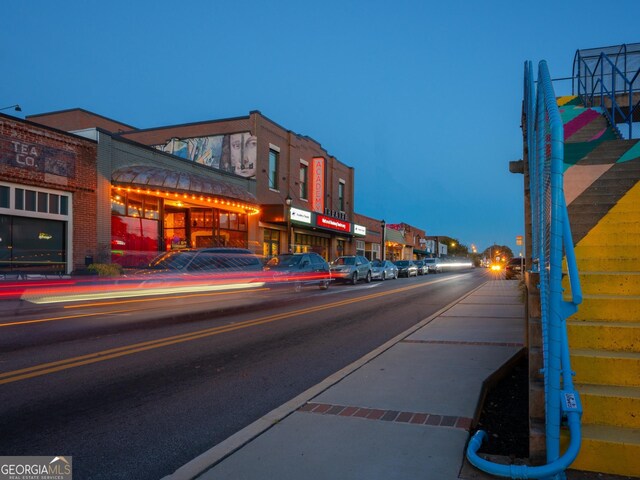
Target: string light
<point>248,209</point>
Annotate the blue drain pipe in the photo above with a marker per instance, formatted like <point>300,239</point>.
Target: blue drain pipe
<point>549,470</point>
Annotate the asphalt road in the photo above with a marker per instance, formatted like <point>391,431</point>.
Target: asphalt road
<point>137,388</point>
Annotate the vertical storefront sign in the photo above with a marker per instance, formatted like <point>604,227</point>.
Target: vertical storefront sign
<point>317,184</point>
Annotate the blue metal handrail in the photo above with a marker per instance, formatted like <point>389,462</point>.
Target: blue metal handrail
<point>551,237</point>
<point>591,84</point>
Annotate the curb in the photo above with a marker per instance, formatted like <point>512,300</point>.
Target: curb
<point>205,461</point>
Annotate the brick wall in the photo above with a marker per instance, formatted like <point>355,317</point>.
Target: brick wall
<point>82,185</point>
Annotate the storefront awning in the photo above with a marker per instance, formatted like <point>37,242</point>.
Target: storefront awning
<point>145,176</point>
<point>394,236</point>
<point>421,252</point>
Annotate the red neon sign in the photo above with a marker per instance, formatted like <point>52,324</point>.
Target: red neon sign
<point>333,224</point>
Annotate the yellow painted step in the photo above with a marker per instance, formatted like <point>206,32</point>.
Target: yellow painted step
<point>625,234</point>
<point>615,219</point>
<point>611,336</point>
<point>610,405</point>
<point>599,367</point>
<point>608,308</point>
<point>613,251</point>
<point>608,264</point>
<point>612,450</point>
<point>607,283</point>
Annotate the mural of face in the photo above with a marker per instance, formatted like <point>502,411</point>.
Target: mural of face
<point>250,153</point>
<point>236,152</point>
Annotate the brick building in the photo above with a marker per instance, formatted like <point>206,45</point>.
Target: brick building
<point>304,196</point>
<point>149,201</point>
<point>369,245</point>
<point>48,187</point>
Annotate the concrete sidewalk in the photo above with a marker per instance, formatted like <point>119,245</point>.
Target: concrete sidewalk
<point>401,412</point>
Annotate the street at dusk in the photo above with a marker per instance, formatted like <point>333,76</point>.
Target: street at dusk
<point>156,384</point>
<point>336,240</point>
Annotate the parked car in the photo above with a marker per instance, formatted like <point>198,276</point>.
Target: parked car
<point>433,265</point>
<point>383,269</point>
<point>406,268</point>
<point>299,269</point>
<point>514,267</point>
<point>204,261</point>
<point>423,269</point>
<point>351,268</point>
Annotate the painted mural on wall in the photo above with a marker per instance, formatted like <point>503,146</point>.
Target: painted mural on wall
<point>235,153</point>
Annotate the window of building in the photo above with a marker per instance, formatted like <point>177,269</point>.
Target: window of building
<point>64,205</point>
<point>54,203</point>
<point>304,181</point>
<point>341,196</point>
<point>32,245</point>
<point>271,244</point>
<point>310,243</point>
<point>274,159</point>
<point>30,200</point>
<point>4,196</point>
<point>43,202</point>
<point>19,199</point>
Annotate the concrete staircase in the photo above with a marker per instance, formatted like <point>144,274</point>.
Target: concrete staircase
<point>604,335</point>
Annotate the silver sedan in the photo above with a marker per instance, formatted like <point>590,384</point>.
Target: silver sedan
<point>383,270</point>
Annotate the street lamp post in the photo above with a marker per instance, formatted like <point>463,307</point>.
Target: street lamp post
<point>288,202</point>
<point>16,107</point>
<point>383,224</point>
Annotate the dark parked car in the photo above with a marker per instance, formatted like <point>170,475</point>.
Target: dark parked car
<point>351,268</point>
<point>383,269</point>
<point>204,261</point>
<point>406,268</point>
<point>514,267</point>
<point>300,269</point>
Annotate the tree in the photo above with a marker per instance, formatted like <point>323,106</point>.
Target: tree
<point>454,247</point>
<point>495,251</point>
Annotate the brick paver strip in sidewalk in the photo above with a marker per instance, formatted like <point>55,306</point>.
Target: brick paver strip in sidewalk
<point>335,410</point>
<point>433,420</point>
<point>376,414</point>
<point>404,417</point>
<point>415,418</point>
<point>448,421</point>
<point>419,418</point>
<point>347,412</point>
<point>390,415</point>
<point>455,342</point>
<point>362,412</point>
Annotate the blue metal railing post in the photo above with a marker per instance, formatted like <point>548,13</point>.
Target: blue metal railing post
<point>551,232</point>
<point>555,272</point>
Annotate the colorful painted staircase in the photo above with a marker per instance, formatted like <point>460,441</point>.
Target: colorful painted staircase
<point>602,190</point>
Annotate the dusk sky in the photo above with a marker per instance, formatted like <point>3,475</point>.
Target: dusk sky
<point>422,98</point>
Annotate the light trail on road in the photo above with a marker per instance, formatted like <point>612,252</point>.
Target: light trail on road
<point>65,364</point>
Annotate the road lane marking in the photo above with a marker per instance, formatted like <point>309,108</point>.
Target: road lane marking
<point>66,317</point>
<point>65,364</point>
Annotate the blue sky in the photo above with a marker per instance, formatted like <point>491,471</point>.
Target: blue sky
<point>422,98</point>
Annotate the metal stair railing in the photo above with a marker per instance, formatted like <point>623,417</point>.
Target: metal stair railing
<point>604,80</point>
<point>551,236</point>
